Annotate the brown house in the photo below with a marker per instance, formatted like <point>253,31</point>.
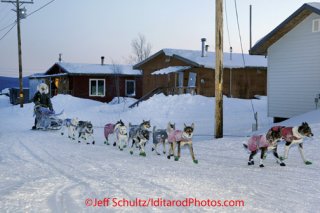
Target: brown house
<point>101,82</point>
<point>178,71</point>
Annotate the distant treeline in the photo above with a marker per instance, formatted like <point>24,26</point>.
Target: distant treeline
<point>9,82</point>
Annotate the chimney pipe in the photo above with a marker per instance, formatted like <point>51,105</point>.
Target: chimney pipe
<point>203,44</point>
<point>102,59</point>
<point>60,58</point>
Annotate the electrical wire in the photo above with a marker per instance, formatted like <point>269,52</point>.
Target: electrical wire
<point>8,26</point>
<point>227,23</point>
<point>14,24</point>
<point>244,62</point>
<point>235,4</point>
<point>8,31</point>
<point>40,8</point>
<point>4,14</point>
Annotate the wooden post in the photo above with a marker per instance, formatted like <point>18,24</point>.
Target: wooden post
<point>19,54</point>
<point>17,10</point>
<point>219,70</point>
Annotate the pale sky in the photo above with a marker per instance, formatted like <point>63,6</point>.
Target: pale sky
<point>83,31</point>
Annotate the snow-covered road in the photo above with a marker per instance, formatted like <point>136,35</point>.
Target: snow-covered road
<point>46,172</point>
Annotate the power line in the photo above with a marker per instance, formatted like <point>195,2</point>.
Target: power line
<point>227,23</point>
<point>14,24</point>
<point>6,17</point>
<point>41,8</point>
<point>8,25</point>
<point>4,14</point>
<point>8,31</point>
<point>235,4</point>
<point>20,15</point>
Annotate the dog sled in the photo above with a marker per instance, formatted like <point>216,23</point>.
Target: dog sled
<point>47,119</point>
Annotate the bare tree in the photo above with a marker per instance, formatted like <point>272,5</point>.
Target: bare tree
<point>141,49</point>
<point>117,72</point>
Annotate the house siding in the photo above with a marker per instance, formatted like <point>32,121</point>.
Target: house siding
<point>150,82</point>
<point>60,81</point>
<point>80,87</point>
<point>294,71</point>
<point>246,82</point>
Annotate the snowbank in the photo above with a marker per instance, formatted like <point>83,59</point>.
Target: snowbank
<point>42,171</point>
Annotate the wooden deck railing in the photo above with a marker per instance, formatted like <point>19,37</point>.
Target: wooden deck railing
<point>181,90</point>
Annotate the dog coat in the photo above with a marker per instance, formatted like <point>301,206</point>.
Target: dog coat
<point>108,129</point>
<point>256,142</point>
<point>287,134</point>
<point>159,135</point>
<point>176,135</point>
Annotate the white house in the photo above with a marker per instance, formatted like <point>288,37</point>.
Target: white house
<point>293,51</point>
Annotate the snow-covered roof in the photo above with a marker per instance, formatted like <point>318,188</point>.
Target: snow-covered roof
<point>41,75</point>
<point>78,68</point>
<point>194,58</point>
<point>234,60</point>
<point>170,70</point>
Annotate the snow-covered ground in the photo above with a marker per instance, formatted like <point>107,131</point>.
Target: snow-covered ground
<point>42,171</point>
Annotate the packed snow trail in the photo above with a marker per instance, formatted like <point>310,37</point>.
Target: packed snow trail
<point>42,171</point>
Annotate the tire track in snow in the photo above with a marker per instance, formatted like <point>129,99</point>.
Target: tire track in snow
<point>59,205</point>
<point>12,157</point>
<point>113,167</point>
<point>60,193</point>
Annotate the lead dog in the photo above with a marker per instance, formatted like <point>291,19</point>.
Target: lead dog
<point>180,138</point>
<point>294,135</point>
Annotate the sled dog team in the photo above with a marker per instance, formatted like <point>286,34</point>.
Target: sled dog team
<point>137,134</point>
<point>175,139</point>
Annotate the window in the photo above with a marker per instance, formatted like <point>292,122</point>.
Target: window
<point>96,87</point>
<point>130,87</point>
<point>192,83</point>
<point>316,25</point>
<point>192,79</point>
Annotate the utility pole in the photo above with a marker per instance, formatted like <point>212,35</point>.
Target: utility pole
<point>219,70</point>
<point>21,13</point>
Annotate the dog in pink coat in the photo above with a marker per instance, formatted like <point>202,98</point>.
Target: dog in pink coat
<point>180,138</point>
<point>263,142</point>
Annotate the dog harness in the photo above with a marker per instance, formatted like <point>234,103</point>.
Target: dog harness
<point>256,142</point>
<point>68,123</point>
